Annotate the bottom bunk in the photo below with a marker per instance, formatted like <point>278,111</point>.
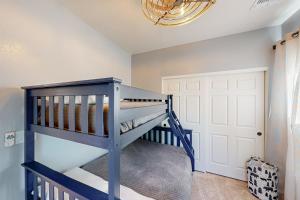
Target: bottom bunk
<point>161,172</point>
<point>149,171</point>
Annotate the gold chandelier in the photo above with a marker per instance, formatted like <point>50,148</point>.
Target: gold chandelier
<point>174,12</point>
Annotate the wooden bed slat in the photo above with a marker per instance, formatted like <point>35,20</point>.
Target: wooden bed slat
<point>51,111</point>
<point>160,137</point>
<point>43,189</point>
<point>99,120</point>
<point>43,111</point>
<point>35,110</point>
<point>35,188</point>
<point>71,113</point>
<point>51,191</point>
<point>144,136</point>
<point>152,136</point>
<point>84,114</point>
<point>147,135</point>
<point>60,195</point>
<point>166,137</point>
<point>71,197</point>
<point>61,105</point>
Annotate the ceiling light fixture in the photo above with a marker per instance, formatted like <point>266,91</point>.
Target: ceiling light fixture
<point>174,12</point>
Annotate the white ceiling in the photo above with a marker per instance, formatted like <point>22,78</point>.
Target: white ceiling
<point>123,22</point>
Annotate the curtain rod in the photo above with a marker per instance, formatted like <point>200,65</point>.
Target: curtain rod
<point>294,35</point>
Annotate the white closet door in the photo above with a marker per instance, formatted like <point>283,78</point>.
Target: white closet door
<point>236,122</point>
<point>225,113</point>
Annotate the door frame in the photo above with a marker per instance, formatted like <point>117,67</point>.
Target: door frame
<point>227,72</point>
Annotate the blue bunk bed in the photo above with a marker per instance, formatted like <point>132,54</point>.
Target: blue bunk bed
<point>45,115</point>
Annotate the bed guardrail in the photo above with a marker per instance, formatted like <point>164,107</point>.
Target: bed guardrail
<point>165,135</point>
<point>51,185</point>
<point>48,114</point>
<point>42,98</point>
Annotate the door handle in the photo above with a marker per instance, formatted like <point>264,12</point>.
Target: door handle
<point>259,133</point>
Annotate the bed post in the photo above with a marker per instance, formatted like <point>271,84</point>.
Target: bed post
<point>28,142</point>
<point>114,136</point>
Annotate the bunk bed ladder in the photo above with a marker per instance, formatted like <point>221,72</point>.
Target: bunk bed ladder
<point>180,133</point>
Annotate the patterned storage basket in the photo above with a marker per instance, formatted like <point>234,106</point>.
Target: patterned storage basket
<point>262,179</point>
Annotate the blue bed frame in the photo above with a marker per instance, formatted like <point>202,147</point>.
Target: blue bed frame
<point>35,122</point>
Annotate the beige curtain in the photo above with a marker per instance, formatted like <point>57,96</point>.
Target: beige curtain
<point>292,48</point>
<point>284,119</point>
<point>276,137</point>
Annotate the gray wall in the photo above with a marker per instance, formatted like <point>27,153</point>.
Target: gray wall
<point>245,50</point>
<point>11,117</point>
<point>292,24</point>
<point>41,42</point>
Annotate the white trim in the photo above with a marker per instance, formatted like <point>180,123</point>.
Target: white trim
<point>239,71</point>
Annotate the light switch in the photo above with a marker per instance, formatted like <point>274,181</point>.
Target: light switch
<point>10,139</point>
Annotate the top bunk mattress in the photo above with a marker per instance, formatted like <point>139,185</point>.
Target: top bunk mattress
<point>124,126</point>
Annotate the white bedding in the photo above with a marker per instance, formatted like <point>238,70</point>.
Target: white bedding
<point>96,182</point>
<point>102,185</point>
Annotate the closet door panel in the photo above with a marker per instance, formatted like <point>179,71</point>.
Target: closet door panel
<point>236,117</point>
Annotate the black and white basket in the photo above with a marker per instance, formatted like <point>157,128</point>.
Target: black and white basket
<point>262,179</point>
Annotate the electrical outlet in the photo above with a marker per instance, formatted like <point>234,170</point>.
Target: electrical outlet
<point>9,139</point>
